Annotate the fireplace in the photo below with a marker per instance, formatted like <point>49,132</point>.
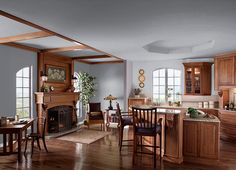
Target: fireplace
<point>59,119</point>
<point>59,108</point>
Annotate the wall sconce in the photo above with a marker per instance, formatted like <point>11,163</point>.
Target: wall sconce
<point>44,78</point>
<point>110,97</point>
<point>73,79</point>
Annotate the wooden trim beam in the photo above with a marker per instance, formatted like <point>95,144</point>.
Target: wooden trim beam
<point>27,36</point>
<point>91,57</point>
<point>49,31</point>
<point>84,61</point>
<point>108,62</point>
<point>63,49</point>
<point>20,46</point>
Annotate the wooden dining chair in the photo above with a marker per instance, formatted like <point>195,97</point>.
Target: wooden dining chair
<point>145,123</point>
<point>40,134</point>
<point>125,119</point>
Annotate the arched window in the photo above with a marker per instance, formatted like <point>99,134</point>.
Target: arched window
<point>24,92</point>
<point>166,85</point>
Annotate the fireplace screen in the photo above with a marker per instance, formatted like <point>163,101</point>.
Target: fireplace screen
<point>59,119</point>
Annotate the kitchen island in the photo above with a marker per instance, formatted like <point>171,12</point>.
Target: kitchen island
<point>187,139</point>
<point>201,140</point>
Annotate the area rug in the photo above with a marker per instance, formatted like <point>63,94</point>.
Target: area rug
<point>85,136</point>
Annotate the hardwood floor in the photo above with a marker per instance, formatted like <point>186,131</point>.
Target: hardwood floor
<point>104,155</point>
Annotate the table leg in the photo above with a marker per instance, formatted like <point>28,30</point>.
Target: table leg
<point>10,142</point>
<point>19,146</point>
<point>32,127</point>
<point>4,143</point>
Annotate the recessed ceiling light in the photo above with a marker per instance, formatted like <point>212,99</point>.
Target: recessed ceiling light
<point>175,47</point>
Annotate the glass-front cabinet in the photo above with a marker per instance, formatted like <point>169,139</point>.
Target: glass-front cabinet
<point>197,78</point>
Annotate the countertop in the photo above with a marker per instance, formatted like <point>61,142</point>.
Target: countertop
<point>161,110</point>
<point>180,107</point>
<point>201,119</point>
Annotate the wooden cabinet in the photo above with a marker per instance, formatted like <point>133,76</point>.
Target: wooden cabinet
<point>137,101</point>
<point>228,125</point>
<point>209,140</point>
<point>201,141</point>
<point>197,78</point>
<point>225,70</point>
<point>190,138</point>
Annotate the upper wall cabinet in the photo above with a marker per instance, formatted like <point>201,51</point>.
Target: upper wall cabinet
<point>197,78</point>
<point>225,71</point>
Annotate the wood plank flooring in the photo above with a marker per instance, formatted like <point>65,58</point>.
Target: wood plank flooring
<point>104,155</point>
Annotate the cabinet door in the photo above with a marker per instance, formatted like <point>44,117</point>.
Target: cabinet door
<point>197,80</point>
<point>225,71</point>
<point>188,80</point>
<point>209,140</point>
<point>190,138</point>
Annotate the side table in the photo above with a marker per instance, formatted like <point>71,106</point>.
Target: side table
<point>111,118</point>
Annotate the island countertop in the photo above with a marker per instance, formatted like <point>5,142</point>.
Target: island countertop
<point>160,110</point>
<point>202,119</point>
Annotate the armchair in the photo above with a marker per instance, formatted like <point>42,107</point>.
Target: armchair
<point>95,115</point>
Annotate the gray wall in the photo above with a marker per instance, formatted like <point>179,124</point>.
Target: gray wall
<point>110,79</point>
<point>78,67</point>
<point>11,61</point>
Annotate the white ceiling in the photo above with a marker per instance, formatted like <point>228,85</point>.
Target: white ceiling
<point>124,27</point>
<point>47,42</point>
<point>11,28</point>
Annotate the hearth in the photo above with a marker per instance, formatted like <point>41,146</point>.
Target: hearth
<point>59,119</point>
<point>62,108</point>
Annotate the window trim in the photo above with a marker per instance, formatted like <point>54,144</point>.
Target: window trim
<point>30,88</point>
<point>166,83</point>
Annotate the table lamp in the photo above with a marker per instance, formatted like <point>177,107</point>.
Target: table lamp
<point>110,97</point>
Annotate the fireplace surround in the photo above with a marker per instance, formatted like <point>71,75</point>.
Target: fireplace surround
<point>59,108</point>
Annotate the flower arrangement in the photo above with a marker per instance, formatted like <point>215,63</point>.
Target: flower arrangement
<point>137,91</point>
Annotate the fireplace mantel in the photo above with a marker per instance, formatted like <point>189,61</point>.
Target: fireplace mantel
<point>45,101</point>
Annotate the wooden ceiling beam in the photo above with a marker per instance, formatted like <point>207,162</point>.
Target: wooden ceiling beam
<point>3,13</point>
<point>84,61</point>
<point>108,62</point>
<point>91,57</point>
<point>63,49</point>
<point>27,36</point>
<point>20,46</point>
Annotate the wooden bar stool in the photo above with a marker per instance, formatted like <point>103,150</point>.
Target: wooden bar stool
<point>125,119</point>
<point>145,123</point>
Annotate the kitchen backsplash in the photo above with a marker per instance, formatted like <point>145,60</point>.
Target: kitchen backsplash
<point>200,101</point>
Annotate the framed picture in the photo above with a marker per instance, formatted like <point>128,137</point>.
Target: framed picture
<point>56,74</point>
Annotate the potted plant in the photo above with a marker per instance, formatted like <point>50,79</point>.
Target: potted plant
<point>87,87</point>
<point>193,112</point>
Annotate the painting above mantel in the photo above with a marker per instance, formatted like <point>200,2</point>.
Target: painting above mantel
<point>56,74</point>
<point>59,70</point>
